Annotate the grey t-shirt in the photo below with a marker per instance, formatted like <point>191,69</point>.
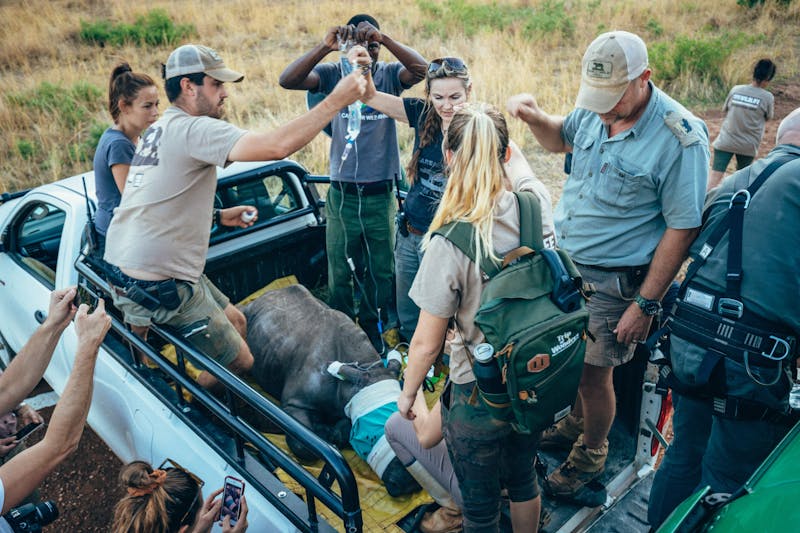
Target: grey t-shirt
<point>375,155</point>
<point>747,109</point>
<point>163,222</point>
<point>114,148</point>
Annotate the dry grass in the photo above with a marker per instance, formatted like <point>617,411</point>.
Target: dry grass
<point>40,44</point>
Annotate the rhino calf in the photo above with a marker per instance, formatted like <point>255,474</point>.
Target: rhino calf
<point>294,338</point>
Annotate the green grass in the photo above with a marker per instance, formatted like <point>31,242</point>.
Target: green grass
<point>476,17</point>
<point>154,28</point>
<point>73,109</point>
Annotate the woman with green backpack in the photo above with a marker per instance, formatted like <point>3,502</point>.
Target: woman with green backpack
<point>487,454</point>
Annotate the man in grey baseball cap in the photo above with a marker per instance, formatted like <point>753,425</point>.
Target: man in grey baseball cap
<point>160,231</point>
<point>630,208</point>
<point>194,58</point>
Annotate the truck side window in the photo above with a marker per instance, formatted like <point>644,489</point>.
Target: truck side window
<point>272,195</point>
<point>36,240</point>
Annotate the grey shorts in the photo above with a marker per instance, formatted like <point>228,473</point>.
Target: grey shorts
<point>615,292</point>
<point>201,303</point>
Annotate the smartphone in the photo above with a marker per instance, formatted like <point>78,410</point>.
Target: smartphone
<point>27,431</point>
<point>231,499</point>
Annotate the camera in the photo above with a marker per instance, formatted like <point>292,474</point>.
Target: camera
<point>31,517</point>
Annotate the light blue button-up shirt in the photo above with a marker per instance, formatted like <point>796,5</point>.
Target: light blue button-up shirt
<point>624,191</point>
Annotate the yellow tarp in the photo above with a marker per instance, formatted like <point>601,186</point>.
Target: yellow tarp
<point>380,511</point>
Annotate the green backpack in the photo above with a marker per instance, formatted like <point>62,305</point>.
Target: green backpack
<point>532,311</point>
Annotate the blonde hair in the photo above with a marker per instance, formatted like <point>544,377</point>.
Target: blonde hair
<point>433,122</point>
<point>478,140</point>
<point>150,506</point>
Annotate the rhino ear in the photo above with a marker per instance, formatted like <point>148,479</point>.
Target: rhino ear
<point>394,366</point>
<point>350,373</point>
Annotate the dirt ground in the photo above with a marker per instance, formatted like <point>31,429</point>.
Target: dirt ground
<point>85,487</point>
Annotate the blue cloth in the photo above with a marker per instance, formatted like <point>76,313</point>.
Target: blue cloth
<point>114,148</point>
<point>375,156</point>
<point>624,191</point>
<point>368,429</point>
<point>430,180</point>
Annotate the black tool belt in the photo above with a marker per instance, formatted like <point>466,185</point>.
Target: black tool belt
<point>734,337</point>
<point>363,189</point>
<point>149,294</point>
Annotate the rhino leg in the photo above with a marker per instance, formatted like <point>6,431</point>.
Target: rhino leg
<point>337,434</point>
<point>397,479</point>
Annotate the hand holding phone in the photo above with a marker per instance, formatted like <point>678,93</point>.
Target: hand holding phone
<point>231,499</point>
<point>27,431</point>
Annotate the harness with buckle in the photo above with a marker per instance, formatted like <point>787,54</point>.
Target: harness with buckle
<point>722,325</point>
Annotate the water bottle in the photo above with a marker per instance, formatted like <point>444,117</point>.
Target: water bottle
<point>486,370</point>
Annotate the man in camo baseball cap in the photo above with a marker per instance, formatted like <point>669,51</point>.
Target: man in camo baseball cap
<point>196,58</point>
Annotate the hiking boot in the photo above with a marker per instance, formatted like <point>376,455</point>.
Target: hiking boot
<point>563,434</point>
<point>581,467</point>
<point>442,520</point>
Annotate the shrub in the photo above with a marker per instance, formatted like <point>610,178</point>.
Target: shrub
<point>26,149</point>
<point>686,62</point>
<point>154,28</point>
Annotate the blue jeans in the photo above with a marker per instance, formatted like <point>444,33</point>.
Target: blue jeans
<point>708,450</point>
<point>407,258</point>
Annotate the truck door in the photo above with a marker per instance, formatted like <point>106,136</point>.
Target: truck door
<point>29,271</point>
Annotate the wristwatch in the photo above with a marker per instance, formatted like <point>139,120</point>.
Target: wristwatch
<point>648,307</point>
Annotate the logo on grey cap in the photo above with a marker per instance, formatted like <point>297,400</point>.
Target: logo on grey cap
<point>599,69</point>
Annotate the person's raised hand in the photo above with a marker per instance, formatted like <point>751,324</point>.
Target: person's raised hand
<point>241,522</point>
<point>333,35</point>
<point>522,105</point>
<point>92,327</point>
<point>358,55</point>
<point>62,308</point>
<point>349,89</point>
<point>367,33</point>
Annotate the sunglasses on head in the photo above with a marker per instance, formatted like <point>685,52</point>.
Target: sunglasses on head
<point>450,64</point>
<point>169,464</point>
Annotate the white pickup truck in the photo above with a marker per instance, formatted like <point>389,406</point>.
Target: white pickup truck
<point>141,413</point>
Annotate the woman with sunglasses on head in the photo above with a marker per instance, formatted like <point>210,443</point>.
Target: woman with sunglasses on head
<point>447,86</point>
<point>487,455</point>
<point>168,499</point>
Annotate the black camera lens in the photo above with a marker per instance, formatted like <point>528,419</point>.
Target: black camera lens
<point>31,517</point>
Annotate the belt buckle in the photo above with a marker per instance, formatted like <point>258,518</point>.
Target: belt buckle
<point>730,308</point>
<point>778,342</point>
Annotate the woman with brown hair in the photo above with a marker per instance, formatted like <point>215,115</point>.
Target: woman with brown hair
<point>133,106</point>
<point>168,499</point>
<point>447,87</point>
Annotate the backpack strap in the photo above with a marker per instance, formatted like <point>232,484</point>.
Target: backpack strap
<point>462,234</point>
<point>530,220</point>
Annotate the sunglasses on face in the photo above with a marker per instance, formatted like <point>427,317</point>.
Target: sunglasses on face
<point>169,464</point>
<point>450,64</point>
